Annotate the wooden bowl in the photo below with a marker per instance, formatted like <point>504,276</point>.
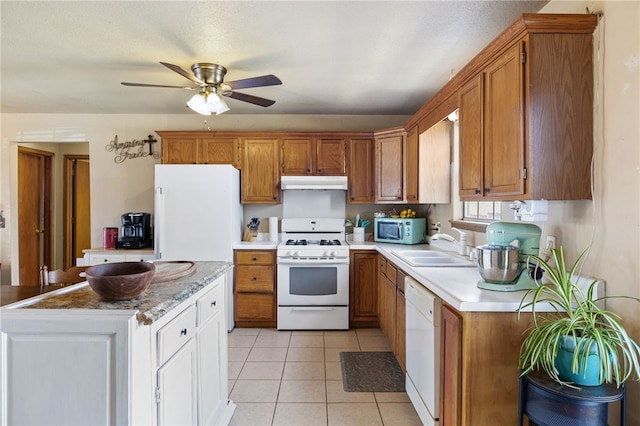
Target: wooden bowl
<point>120,280</point>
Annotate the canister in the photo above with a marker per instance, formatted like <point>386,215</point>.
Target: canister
<point>109,237</point>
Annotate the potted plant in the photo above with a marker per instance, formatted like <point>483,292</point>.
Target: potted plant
<point>578,331</point>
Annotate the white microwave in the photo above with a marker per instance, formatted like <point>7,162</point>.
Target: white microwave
<point>399,230</point>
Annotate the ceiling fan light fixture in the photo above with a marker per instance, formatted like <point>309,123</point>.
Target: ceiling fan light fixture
<point>198,103</point>
<point>216,104</point>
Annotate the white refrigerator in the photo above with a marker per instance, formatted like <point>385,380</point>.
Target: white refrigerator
<point>198,216</point>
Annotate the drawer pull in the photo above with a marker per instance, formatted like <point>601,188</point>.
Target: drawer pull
<point>255,259</point>
<point>255,278</point>
<point>183,332</point>
<point>213,303</point>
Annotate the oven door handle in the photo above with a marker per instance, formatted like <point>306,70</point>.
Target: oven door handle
<point>313,262</point>
<point>313,308</point>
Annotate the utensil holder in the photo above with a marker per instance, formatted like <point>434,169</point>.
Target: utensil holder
<point>358,234</point>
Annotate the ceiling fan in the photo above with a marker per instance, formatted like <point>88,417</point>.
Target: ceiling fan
<point>209,80</point>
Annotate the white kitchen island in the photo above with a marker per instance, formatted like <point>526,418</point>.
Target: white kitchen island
<point>70,358</point>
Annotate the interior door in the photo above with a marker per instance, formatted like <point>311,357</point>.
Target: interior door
<point>34,213</point>
<point>77,222</point>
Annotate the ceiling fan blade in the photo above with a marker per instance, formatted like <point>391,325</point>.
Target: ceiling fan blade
<point>184,73</point>
<point>263,80</point>
<point>125,83</point>
<point>263,102</point>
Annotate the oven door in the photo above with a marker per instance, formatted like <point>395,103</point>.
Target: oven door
<point>315,282</point>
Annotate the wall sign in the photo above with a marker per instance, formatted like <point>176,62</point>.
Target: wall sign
<point>132,149</point>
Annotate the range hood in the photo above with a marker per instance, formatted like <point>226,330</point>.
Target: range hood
<point>313,182</point>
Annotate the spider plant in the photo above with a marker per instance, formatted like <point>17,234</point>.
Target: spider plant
<point>577,315</point>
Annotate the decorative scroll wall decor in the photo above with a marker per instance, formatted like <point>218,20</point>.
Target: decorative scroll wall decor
<point>132,149</point>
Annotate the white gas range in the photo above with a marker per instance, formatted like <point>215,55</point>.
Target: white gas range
<point>313,275</point>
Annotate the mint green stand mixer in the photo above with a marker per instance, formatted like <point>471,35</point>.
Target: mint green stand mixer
<point>505,266</point>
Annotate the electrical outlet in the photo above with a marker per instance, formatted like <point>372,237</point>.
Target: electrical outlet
<point>551,242</point>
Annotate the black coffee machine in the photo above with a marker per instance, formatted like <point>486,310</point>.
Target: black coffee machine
<point>135,231</point>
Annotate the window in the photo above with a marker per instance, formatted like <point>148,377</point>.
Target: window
<point>484,211</point>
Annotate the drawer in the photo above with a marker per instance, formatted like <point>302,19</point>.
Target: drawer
<point>172,336</point>
<point>257,279</point>
<point>255,257</point>
<point>255,306</point>
<point>390,272</point>
<point>211,303</point>
<point>139,257</point>
<point>382,262</point>
<point>400,276</point>
<point>105,258</point>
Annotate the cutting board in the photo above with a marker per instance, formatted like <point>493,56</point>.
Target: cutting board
<point>172,270</point>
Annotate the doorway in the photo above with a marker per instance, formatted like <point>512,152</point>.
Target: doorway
<point>77,208</point>
<point>34,213</point>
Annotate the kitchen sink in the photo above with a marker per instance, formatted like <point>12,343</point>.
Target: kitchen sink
<point>431,258</point>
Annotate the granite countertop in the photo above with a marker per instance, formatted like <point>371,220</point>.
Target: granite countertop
<point>155,302</point>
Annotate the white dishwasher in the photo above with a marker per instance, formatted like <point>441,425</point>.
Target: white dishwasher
<point>423,350</point>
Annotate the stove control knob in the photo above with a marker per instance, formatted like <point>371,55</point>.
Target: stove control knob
<point>331,253</point>
<point>294,253</point>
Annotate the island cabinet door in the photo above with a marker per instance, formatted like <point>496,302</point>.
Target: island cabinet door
<point>176,392</point>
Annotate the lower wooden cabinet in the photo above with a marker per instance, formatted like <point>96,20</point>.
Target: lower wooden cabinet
<point>363,289</point>
<point>255,288</point>
<point>391,308</point>
<point>450,366</point>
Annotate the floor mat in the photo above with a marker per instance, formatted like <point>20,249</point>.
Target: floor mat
<point>371,372</point>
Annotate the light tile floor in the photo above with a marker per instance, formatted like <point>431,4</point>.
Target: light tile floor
<point>295,378</point>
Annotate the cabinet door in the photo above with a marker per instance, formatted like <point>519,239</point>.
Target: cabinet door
<point>176,393</point>
<point>401,330</point>
<point>220,151</point>
<point>260,176</point>
<point>390,169</point>
<point>413,165</point>
<point>470,118</point>
<point>298,156</point>
<point>504,125</point>
<point>361,175</point>
<point>435,164</point>
<point>450,367</point>
<point>180,151</point>
<point>331,156</point>
<point>211,389</point>
<point>364,290</point>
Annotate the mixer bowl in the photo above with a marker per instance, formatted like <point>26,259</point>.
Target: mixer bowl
<point>498,264</point>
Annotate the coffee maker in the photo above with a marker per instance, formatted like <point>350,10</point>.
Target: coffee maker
<point>135,231</point>
<point>504,262</point>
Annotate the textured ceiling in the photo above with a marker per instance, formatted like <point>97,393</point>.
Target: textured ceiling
<point>334,57</point>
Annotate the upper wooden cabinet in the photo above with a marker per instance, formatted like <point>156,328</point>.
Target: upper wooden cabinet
<point>314,156</point>
<point>198,148</point>
<point>526,119</point>
<point>360,161</point>
<point>260,179</point>
<point>428,160</point>
<point>389,166</point>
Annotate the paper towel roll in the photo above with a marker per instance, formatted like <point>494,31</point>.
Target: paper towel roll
<point>273,229</point>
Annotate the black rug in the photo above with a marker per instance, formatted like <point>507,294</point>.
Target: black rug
<point>371,372</point>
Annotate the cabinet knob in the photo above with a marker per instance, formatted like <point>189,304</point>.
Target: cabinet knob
<point>477,191</point>
<point>255,278</point>
<point>213,303</point>
<point>353,198</point>
<point>486,190</point>
<point>319,170</point>
<point>254,259</point>
<point>308,170</point>
<point>183,332</point>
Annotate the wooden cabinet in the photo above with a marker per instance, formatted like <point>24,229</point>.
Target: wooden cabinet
<point>479,366</point>
<point>198,148</point>
<point>314,156</point>
<point>255,288</point>
<point>360,164</point>
<point>260,177</point>
<point>389,166</point>
<point>363,289</point>
<point>392,308</point>
<point>450,366</point>
<point>428,160</point>
<point>526,117</point>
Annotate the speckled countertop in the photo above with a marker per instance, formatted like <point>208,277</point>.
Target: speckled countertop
<point>155,302</point>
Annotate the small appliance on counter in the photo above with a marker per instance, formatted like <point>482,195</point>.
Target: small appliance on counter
<point>135,231</point>
<point>505,266</point>
<point>399,230</point>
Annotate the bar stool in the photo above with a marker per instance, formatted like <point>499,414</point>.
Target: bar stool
<point>548,403</point>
